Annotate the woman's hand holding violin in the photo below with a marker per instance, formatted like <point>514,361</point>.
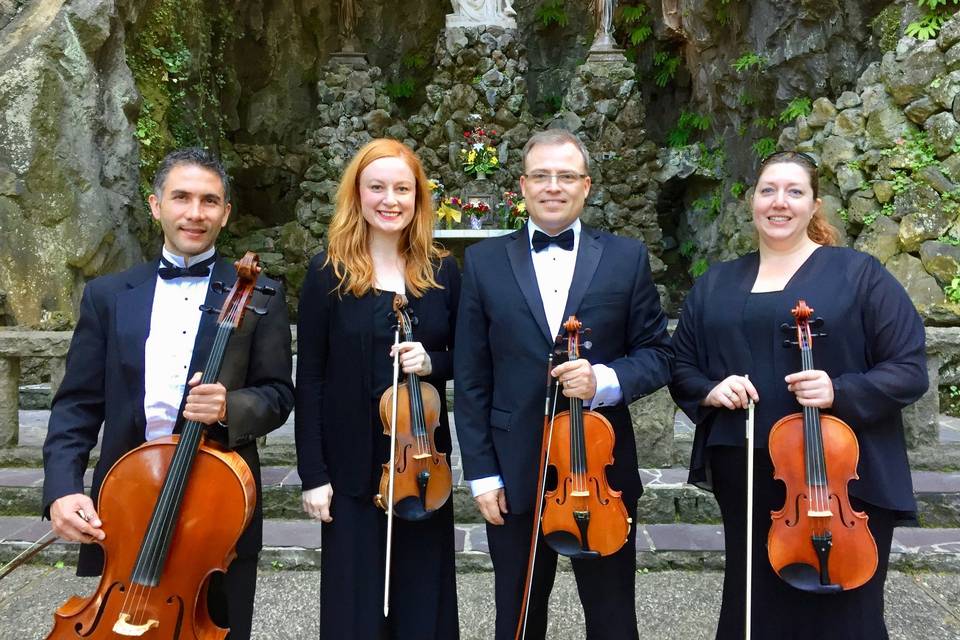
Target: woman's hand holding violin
<point>813,388</point>
<point>316,502</point>
<point>413,358</point>
<point>733,392</point>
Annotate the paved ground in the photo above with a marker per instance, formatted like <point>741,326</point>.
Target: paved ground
<point>674,605</point>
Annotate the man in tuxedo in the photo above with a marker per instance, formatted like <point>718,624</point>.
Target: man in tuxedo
<point>517,291</point>
<point>139,337</point>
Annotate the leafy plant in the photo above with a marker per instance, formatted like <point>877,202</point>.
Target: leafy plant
<point>765,123</point>
<point>687,247</point>
<point>737,189</point>
<point>687,124</point>
<point>950,239</point>
<point>764,147</point>
<point>929,25</point>
<point>798,107</point>
<point>699,267</point>
<point>552,12</point>
<point>665,65</point>
<point>637,22</point>
<point>554,103</point>
<point>712,159</point>
<point>953,289</point>
<point>400,89</point>
<point>749,60</point>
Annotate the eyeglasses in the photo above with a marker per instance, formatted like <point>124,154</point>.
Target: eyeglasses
<point>565,178</point>
<point>788,156</point>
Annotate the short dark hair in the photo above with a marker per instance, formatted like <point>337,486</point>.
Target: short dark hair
<point>194,156</point>
<point>556,137</point>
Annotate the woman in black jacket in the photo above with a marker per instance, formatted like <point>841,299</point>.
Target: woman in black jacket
<point>870,365</point>
<point>380,243</point>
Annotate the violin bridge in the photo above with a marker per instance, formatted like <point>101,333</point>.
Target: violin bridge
<point>123,627</point>
<point>819,514</point>
<point>422,456</point>
<point>580,494</point>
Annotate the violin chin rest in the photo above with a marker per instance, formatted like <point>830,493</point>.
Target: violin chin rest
<point>567,544</point>
<point>806,578</point>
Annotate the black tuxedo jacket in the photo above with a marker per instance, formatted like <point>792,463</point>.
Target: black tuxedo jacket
<point>104,385</point>
<point>503,341</point>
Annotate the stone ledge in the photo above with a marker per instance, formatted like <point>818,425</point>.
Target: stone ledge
<point>34,344</point>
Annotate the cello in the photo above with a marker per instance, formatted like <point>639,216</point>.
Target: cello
<point>817,542</point>
<point>158,561</point>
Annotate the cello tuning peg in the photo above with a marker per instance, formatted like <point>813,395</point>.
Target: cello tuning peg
<point>208,309</point>
<point>260,311</point>
<point>265,290</point>
<point>218,287</point>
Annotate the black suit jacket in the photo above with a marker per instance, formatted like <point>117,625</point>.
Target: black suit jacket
<point>335,361</point>
<point>104,385</point>
<point>503,341</point>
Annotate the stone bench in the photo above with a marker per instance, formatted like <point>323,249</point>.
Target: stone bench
<point>653,415</point>
<point>14,345</point>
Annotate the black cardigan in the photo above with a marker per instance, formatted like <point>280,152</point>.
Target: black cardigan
<point>874,353</point>
<point>334,373</point>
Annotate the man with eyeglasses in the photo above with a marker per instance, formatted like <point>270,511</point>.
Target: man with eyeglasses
<point>517,291</point>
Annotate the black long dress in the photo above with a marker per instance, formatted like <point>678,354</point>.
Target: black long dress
<point>874,354</point>
<point>343,368</point>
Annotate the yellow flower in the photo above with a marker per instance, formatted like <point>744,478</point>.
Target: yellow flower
<point>494,161</point>
<point>433,185</point>
<point>471,156</point>
<point>522,206</point>
<point>447,213</point>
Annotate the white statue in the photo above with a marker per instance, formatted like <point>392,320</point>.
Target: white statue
<point>475,13</point>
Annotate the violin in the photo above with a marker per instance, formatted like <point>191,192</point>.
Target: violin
<point>582,516</point>
<point>817,542</point>
<point>158,560</point>
<point>418,477</point>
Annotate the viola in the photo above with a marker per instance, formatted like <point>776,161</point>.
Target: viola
<point>817,542</point>
<point>422,480</point>
<point>582,516</point>
<point>159,559</point>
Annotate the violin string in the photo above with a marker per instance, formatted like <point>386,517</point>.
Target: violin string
<point>177,470</point>
<point>816,459</point>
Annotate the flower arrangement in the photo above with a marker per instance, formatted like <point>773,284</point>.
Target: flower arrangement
<point>512,211</point>
<point>480,155</point>
<point>479,211</point>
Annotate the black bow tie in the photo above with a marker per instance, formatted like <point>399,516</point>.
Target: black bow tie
<point>541,240</point>
<point>169,271</point>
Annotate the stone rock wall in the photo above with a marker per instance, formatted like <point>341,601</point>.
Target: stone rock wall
<point>68,158</point>
<point>890,165</point>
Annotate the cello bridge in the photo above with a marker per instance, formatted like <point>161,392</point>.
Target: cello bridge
<point>819,514</point>
<point>123,627</point>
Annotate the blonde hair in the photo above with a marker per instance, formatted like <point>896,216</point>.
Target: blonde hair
<point>819,229</point>
<point>347,249</point>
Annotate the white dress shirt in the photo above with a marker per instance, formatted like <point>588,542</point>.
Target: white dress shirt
<point>554,269</point>
<point>174,322</point>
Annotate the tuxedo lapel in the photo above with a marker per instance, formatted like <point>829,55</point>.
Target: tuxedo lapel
<point>134,307</point>
<point>518,252</point>
<point>588,258</point>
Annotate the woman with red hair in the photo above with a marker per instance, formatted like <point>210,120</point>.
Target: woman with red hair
<point>380,242</point>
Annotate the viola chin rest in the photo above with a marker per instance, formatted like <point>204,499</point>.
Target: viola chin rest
<point>567,544</point>
<point>807,578</point>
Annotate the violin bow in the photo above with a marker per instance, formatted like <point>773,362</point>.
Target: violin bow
<point>398,301</point>
<point>749,587</point>
<point>36,547</point>
<point>548,418</point>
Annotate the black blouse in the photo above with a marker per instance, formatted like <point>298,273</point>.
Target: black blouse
<point>874,354</point>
